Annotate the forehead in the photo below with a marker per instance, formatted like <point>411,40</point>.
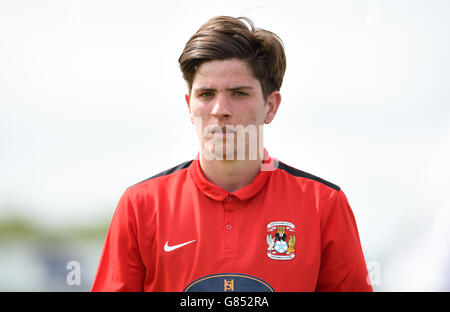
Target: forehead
<point>224,73</point>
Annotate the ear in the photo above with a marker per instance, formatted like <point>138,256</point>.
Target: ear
<point>273,102</point>
<point>188,102</point>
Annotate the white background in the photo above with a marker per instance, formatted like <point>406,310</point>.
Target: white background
<point>92,101</point>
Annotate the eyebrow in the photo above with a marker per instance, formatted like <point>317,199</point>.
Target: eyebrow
<point>228,89</point>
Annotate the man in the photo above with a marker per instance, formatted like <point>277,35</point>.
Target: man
<point>234,218</point>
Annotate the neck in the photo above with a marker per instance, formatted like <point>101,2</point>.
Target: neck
<point>231,175</point>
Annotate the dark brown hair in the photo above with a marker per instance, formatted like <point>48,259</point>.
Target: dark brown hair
<point>225,37</point>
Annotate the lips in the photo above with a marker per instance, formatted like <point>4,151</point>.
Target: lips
<point>221,130</point>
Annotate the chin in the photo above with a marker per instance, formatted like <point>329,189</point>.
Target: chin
<point>217,152</point>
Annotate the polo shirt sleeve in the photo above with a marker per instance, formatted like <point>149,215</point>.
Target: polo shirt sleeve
<point>342,266</point>
<point>121,267</point>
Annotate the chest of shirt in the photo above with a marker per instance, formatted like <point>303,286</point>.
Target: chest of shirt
<point>271,237</point>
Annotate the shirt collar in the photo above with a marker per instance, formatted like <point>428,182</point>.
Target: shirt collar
<point>217,193</point>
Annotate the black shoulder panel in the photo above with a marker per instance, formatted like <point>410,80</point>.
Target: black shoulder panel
<point>170,171</point>
<point>299,173</point>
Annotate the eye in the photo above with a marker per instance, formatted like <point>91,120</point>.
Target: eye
<point>206,94</point>
<point>240,93</point>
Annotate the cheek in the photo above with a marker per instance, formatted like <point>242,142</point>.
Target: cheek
<point>253,116</point>
<point>198,114</point>
<point>199,110</point>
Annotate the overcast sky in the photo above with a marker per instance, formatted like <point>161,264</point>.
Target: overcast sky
<point>92,101</point>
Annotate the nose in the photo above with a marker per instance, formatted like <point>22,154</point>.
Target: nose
<point>222,107</point>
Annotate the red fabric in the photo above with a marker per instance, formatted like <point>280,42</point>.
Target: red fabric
<point>230,234</point>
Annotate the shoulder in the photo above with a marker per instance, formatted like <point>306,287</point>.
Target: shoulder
<point>326,197</point>
<point>305,178</point>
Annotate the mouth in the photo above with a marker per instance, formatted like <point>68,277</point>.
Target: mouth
<point>221,131</point>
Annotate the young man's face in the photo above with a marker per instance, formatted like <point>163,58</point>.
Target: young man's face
<point>226,96</point>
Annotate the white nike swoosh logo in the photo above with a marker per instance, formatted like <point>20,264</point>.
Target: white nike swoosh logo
<point>168,248</point>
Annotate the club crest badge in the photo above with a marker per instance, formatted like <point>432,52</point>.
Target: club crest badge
<point>280,240</point>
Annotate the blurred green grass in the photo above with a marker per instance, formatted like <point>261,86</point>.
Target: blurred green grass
<point>20,228</point>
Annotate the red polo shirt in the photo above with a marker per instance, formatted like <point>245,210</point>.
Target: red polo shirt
<point>286,231</point>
